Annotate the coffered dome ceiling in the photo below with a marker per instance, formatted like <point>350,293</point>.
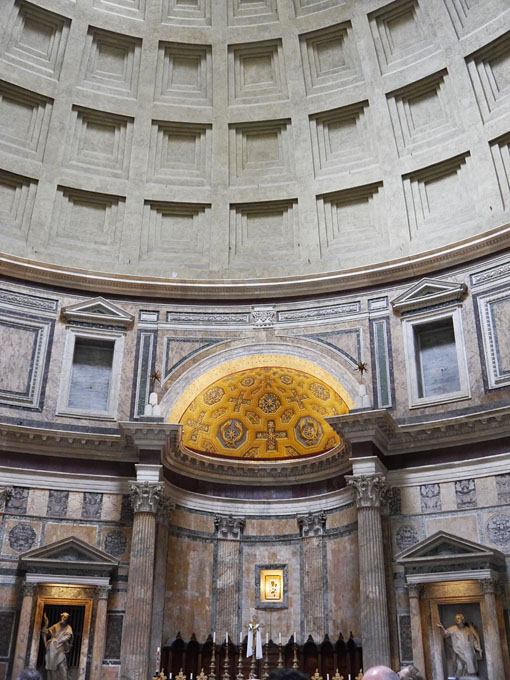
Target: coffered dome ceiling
<point>178,144</point>
<point>263,412</point>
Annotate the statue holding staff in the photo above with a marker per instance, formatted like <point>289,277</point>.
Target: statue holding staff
<point>58,641</point>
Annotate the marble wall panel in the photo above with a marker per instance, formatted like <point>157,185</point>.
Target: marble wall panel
<point>281,620</point>
<point>111,508</point>
<point>192,520</point>
<point>411,500</point>
<point>343,585</point>
<point>188,588</point>
<point>270,527</point>
<point>448,496</point>
<point>9,595</point>
<point>37,502</point>
<point>74,505</point>
<point>465,526</point>
<point>20,536</point>
<point>56,532</point>
<point>342,517</point>
<point>110,673</point>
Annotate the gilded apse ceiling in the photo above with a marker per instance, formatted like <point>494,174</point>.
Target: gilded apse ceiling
<point>263,412</point>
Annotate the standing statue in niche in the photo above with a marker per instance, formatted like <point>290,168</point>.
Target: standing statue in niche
<point>466,646</point>
<point>57,640</point>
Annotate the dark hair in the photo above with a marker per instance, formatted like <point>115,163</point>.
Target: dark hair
<point>29,674</point>
<point>287,674</point>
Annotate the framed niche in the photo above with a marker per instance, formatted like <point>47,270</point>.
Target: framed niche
<point>271,586</point>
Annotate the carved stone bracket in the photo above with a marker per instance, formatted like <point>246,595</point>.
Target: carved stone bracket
<point>145,496</point>
<point>370,490</point>
<point>5,494</point>
<point>229,527</point>
<point>414,589</point>
<point>313,524</point>
<point>102,592</point>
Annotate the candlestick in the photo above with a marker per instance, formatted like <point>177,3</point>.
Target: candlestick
<point>280,655</point>
<point>294,657</point>
<point>265,674</point>
<point>226,673</point>
<point>212,666</point>
<point>239,675</point>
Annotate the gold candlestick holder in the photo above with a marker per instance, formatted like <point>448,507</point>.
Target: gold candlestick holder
<point>294,658</point>
<point>280,655</point>
<point>253,667</point>
<point>226,674</point>
<point>212,666</point>
<point>240,675</point>
<point>266,662</point>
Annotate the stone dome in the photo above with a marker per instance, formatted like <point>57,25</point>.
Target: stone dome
<point>240,147</point>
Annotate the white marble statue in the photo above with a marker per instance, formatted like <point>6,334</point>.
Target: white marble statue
<point>466,646</point>
<point>57,640</point>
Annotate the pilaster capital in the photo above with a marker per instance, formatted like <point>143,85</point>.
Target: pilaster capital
<point>370,490</point>
<point>29,589</point>
<point>414,589</point>
<point>166,507</point>
<point>145,496</point>
<point>312,524</point>
<point>102,592</point>
<point>5,494</point>
<point>228,526</point>
<point>489,585</point>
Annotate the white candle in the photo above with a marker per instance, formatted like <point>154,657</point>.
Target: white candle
<point>295,638</point>
<point>267,638</point>
<point>349,676</point>
<point>214,637</point>
<point>191,676</point>
<point>327,676</point>
<point>279,638</point>
<point>241,638</point>
<point>170,677</point>
<point>226,637</point>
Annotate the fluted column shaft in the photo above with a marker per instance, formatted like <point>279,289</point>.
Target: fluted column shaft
<point>370,491</point>
<point>416,628</point>
<point>99,632</point>
<point>493,651</point>
<point>23,628</point>
<point>137,620</point>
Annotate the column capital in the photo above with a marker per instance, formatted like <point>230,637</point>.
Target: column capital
<point>102,592</point>
<point>145,496</point>
<point>370,490</point>
<point>5,494</point>
<point>489,585</point>
<point>414,589</point>
<point>29,589</point>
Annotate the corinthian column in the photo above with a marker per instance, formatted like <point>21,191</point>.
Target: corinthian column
<point>414,590</point>
<point>145,497</point>
<point>493,653</point>
<point>370,491</point>
<point>29,591</point>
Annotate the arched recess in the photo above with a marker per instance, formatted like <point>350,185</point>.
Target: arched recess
<point>194,375</point>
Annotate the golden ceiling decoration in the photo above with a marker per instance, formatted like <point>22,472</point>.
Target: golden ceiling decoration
<point>263,412</point>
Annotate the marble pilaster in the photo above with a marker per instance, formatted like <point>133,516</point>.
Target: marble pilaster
<point>493,651</point>
<point>99,631</point>
<point>29,591</point>
<point>414,590</point>
<point>370,491</point>
<point>136,636</point>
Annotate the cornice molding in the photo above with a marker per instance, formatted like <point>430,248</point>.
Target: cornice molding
<point>380,428</point>
<point>410,266</point>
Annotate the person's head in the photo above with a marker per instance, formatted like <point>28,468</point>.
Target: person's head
<point>411,673</point>
<point>459,619</point>
<point>286,674</point>
<point>64,617</point>
<point>380,673</point>
<point>29,674</point>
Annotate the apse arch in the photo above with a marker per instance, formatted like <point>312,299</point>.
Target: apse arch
<point>182,385</point>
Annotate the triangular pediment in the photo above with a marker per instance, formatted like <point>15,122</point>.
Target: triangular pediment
<point>98,310</point>
<point>70,554</point>
<point>442,548</point>
<point>428,292</point>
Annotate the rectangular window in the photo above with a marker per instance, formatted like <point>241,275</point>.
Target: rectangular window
<point>437,368</point>
<point>91,369</point>
<point>435,357</point>
<point>91,374</point>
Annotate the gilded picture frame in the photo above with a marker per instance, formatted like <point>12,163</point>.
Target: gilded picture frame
<point>271,586</point>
